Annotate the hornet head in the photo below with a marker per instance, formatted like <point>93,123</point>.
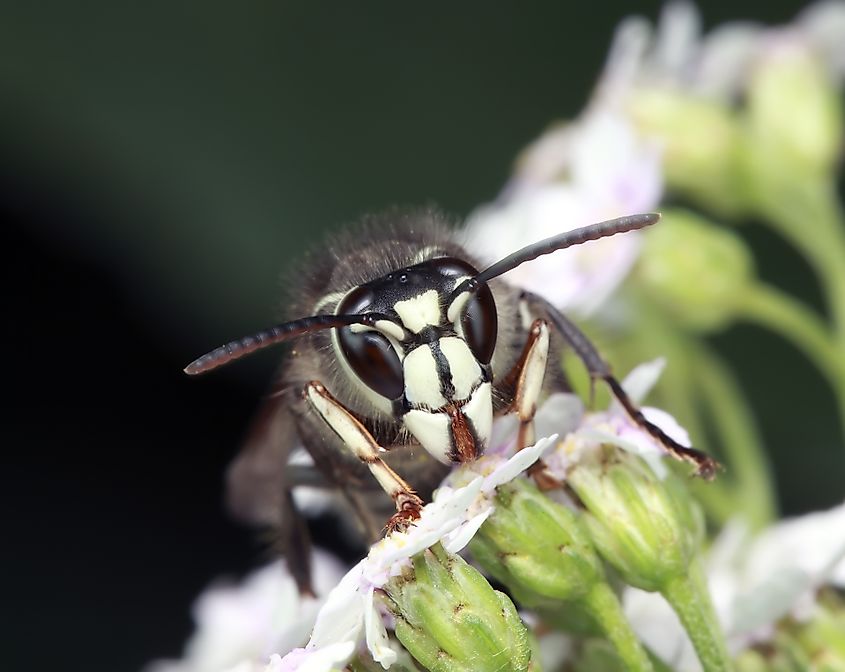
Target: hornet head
<point>428,361</point>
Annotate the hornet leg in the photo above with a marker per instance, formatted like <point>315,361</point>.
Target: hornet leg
<point>526,380</point>
<point>706,466</point>
<point>356,437</point>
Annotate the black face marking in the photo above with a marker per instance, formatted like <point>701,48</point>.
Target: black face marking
<point>381,294</point>
<point>444,373</point>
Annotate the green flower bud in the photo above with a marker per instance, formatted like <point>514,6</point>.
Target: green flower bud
<point>450,619</point>
<point>696,271</point>
<point>794,114</point>
<point>701,142</point>
<point>541,551</point>
<point>646,528</point>
<point>537,546</point>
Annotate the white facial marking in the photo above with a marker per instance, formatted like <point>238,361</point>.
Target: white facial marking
<point>432,431</point>
<point>422,384</point>
<point>453,312</point>
<point>420,312</point>
<point>466,373</point>
<point>391,329</point>
<point>457,306</point>
<point>479,410</point>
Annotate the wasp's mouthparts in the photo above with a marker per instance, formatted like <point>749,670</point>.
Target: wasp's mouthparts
<point>464,448</point>
<point>457,431</point>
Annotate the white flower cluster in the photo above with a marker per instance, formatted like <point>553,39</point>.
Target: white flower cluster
<point>350,614</point>
<point>754,581</point>
<point>239,626</point>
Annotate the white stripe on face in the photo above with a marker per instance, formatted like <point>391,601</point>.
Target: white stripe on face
<point>422,384</point>
<point>420,312</point>
<point>432,431</point>
<point>479,410</point>
<point>466,373</point>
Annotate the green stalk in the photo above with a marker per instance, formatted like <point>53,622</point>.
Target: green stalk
<point>808,214</point>
<point>739,437</point>
<point>791,319</point>
<point>603,605</point>
<point>690,599</point>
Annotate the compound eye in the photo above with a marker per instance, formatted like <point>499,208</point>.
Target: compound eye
<point>369,353</point>
<point>480,324</point>
<point>373,360</point>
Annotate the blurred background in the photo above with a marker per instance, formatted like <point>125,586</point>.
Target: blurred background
<point>160,165</point>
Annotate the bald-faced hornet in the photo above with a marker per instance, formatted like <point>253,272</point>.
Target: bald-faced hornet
<point>407,354</point>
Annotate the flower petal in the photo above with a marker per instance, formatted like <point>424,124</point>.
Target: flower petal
<point>517,464</point>
<point>342,616</point>
<point>377,641</point>
<point>329,658</point>
<point>461,536</point>
<point>633,441</point>
<point>443,515</point>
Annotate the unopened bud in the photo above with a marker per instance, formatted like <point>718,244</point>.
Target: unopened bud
<point>449,618</point>
<point>536,546</point>
<point>648,529</point>
<point>700,141</point>
<point>794,113</point>
<point>541,551</point>
<point>696,271</point>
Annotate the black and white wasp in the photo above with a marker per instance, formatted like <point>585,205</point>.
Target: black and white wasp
<point>406,356</point>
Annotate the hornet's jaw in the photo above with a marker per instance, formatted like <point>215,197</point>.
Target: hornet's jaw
<point>458,431</point>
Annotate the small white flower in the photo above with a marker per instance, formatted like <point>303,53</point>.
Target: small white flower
<point>245,623</point>
<point>330,658</point>
<point>351,614</point>
<point>612,426</point>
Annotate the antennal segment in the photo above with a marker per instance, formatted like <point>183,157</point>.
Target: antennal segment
<point>559,242</point>
<point>279,334</point>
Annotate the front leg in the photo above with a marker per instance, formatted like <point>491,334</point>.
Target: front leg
<point>361,443</point>
<point>706,466</point>
<point>525,381</point>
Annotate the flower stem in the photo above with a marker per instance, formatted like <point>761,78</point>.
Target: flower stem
<point>604,606</point>
<point>690,599</point>
<point>808,214</point>
<point>793,320</point>
<point>801,326</point>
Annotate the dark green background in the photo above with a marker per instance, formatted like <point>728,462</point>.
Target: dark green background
<point>160,164</point>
